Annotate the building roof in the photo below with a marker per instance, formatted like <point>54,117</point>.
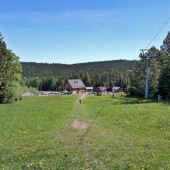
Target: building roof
<point>89,88</point>
<point>102,88</point>
<point>27,94</point>
<point>76,83</point>
<point>116,88</point>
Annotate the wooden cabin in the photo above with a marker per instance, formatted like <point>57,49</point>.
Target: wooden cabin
<point>74,86</point>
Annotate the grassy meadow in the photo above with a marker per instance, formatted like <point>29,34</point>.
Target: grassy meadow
<point>102,133</point>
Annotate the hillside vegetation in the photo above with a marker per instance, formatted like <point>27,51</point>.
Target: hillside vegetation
<point>32,69</point>
<point>45,76</point>
<point>159,72</point>
<point>10,74</point>
<point>56,132</point>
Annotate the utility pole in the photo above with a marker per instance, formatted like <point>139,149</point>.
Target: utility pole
<point>148,57</point>
<point>113,89</point>
<point>112,81</point>
<point>147,78</point>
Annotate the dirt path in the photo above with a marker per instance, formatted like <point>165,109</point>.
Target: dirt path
<point>83,96</point>
<point>79,125</point>
<point>83,127</point>
<point>76,124</point>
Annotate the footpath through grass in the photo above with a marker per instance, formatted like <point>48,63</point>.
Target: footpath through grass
<point>39,133</point>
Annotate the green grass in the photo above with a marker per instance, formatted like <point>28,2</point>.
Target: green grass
<point>130,133</point>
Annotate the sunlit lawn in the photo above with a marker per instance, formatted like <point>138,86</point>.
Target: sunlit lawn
<point>37,133</point>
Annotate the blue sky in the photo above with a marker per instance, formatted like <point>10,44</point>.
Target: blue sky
<point>77,31</point>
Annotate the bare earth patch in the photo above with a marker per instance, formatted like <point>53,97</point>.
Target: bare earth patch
<point>79,125</point>
<point>82,97</point>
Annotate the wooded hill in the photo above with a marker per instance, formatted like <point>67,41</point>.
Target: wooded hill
<point>45,76</point>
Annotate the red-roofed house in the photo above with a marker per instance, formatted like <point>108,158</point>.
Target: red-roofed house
<point>101,90</point>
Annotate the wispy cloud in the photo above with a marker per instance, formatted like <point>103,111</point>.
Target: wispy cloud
<point>82,16</point>
<point>39,20</point>
<point>57,20</point>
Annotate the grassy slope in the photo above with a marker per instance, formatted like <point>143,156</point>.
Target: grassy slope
<point>124,134</point>
<point>127,135</point>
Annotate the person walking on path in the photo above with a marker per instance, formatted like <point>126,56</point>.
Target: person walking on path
<point>80,101</point>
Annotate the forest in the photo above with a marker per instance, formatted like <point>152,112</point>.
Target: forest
<point>45,76</point>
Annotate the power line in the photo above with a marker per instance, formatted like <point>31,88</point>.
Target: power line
<point>158,32</point>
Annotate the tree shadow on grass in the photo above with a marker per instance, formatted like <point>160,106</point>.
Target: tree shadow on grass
<point>131,100</point>
<point>165,102</point>
<point>136,101</point>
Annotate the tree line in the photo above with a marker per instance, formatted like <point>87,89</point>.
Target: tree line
<point>45,76</point>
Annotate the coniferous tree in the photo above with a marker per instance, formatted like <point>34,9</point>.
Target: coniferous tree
<point>164,78</point>
<point>138,79</point>
<point>137,84</point>
<point>159,82</point>
<point>10,74</point>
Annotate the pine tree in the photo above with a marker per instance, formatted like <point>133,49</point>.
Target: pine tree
<point>10,74</point>
<point>138,79</point>
<point>137,84</point>
<point>164,78</point>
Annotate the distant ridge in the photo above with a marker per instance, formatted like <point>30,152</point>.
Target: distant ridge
<point>77,63</point>
<point>33,69</point>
